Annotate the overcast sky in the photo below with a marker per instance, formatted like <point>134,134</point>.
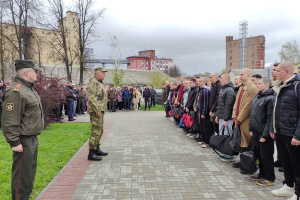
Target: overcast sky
<point>193,32</point>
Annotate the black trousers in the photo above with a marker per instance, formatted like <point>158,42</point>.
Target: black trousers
<point>206,129</point>
<point>264,153</point>
<point>153,101</point>
<point>70,109</point>
<point>120,105</point>
<point>147,102</point>
<point>80,105</point>
<point>0,112</point>
<point>24,169</point>
<point>111,104</point>
<point>290,156</point>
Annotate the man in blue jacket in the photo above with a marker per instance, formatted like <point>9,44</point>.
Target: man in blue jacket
<point>286,122</point>
<point>126,97</point>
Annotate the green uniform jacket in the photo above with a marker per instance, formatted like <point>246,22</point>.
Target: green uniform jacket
<point>97,96</point>
<point>22,112</point>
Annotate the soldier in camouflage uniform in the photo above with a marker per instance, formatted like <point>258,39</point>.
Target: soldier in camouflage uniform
<point>97,101</point>
<point>22,121</point>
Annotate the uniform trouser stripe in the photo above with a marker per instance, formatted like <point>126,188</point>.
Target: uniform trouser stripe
<point>24,169</point>
<point>20,173</point>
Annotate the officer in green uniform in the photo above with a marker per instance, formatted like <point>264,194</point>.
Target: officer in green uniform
<point>97,101</point>
<point>22,121</point>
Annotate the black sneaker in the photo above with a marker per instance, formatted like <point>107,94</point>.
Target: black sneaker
<point>277,164</point>
<point>256,178</point>
<point>280,169</point>
<point>236,165</point>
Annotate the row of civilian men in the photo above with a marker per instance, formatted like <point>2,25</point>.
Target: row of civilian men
<point>249,108</point>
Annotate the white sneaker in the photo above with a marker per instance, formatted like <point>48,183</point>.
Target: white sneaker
<point>284,191</point>
<point>200,143</point>
<point>294,197</point>
<point>188,134</point>
<point>204,146</point>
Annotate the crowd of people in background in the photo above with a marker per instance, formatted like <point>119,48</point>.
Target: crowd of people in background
<point>265,110</point>
<point>125,98</point>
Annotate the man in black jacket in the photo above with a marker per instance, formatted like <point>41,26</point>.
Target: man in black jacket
<point>286,122</point>
<point>214,95</point>
<point>260,127</point>
<point>146,96</point>
<point>70,100</point>
<point>189,106</point>
<point>225,104</point>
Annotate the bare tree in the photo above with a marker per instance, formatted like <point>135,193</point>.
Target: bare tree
<point>23,14</point>
<point>175,71</point>
<point>60,46</point>
<point>2,41</point>
<point>86,25</point>
<point>290,52</point>
<point>117,72</point>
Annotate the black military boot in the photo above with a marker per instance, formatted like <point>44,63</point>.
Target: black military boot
<point>100,153</point>
<point>93,156</point>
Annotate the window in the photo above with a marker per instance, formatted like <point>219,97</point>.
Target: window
<point>43,32</point>
<point>230,44</point>
<point>230,64</point>
<point>253,55</point>
<point>252,63</point>
<point>73,26</point>
<point>230,57</point>
<point>230,50</point>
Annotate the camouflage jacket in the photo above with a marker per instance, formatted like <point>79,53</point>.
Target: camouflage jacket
<point>97,96</point>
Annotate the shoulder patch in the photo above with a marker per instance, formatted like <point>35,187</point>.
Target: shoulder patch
<point>9,106</point>
<point>17,88</point>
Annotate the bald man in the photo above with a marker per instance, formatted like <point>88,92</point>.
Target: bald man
<point>214,95</point>
<point>225,104</point>
<point>237,83</point>
<point>286,122</point>
<point>242,107</point>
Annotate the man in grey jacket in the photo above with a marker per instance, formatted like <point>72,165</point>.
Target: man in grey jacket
<point>225,104</point>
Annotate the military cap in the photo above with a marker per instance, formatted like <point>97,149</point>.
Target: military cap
<point>21,64</point>
<point>100,69</point>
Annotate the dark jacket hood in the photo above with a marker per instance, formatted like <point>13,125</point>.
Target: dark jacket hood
<point>270,91</point>
<point>229,84</point>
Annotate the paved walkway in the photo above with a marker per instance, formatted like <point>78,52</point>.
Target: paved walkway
<point>150,158</point>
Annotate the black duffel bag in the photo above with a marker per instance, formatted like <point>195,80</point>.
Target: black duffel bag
<point>220,143</point>
<point>195,128</point>
<point>248,163</point>
<point>236,139</point>
<point>167,107</point>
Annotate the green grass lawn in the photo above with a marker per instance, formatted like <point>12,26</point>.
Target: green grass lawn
<point>57,144</point>
<point>156,108</point>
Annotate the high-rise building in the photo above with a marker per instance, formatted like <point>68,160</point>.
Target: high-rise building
<point>255,54</point>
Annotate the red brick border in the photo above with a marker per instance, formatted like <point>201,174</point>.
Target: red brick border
<point>66,183</point>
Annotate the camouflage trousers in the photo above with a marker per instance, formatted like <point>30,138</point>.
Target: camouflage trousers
<point>96,130</point>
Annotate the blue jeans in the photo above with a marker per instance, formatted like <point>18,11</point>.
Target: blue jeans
<point>74,108</point>
<point>126,104</point>
<point>70,109</point>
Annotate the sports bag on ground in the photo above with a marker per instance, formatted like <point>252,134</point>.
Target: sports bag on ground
<point>195,128</point>
<point>248,163</point>
<point>235,141</point>
<point>220,143</point>
<point>189,121</point>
